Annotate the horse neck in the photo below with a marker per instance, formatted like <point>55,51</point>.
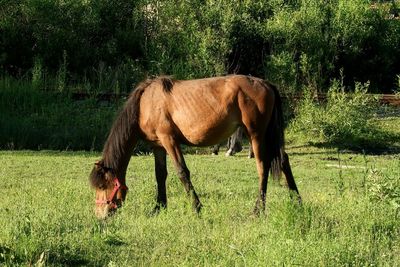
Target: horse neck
<point>118,161</point>
<point>121,142</point>
<point>124,134</point>
<point>117,156</point>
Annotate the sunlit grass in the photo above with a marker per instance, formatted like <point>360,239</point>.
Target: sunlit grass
<point>47,213</point>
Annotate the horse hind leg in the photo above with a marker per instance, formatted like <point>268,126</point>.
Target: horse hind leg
<point>263,167</point>
<point>291,184</point>
<point>215,149</point>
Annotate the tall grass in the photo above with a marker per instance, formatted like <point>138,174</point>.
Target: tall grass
<point>34,118</point>
<point>31,118</point>
<point>345,120</point>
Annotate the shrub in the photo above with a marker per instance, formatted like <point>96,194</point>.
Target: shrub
<point>299,34</point>
<point>357,28</point>
<point>184,42</point>
<point>344,120</point>
<point>293,43</point>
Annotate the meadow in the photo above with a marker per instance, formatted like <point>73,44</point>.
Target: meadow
<point>52,50</point>
<point>349,217</point>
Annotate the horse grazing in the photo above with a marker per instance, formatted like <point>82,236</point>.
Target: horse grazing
<point>167,113</point>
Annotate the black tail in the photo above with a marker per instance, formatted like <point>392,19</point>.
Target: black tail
<point>274,136</point>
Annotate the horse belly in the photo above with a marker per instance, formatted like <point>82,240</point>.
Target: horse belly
<point>210,129</point>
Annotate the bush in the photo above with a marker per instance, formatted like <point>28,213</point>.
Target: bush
<point>84,33</point>
<point>357,29</point>
<point>344,120</point>
<point>293,43</point>
<point>300,38</point>
<point>187,39</point>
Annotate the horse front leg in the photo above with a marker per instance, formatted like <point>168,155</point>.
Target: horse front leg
<point>161,177</point>
<point>174,151</point>
<point>235,142</point>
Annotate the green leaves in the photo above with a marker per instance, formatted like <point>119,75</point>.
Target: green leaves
<point>345,120</point>
<point>310,41</point>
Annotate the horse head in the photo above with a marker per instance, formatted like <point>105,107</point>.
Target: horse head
<point>110,193</point>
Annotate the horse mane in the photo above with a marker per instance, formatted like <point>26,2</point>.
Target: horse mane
<point>167,83</point>
<point>124,128</point>
<point>120,141</point>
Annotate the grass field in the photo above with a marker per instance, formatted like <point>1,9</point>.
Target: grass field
<point>350,215</point>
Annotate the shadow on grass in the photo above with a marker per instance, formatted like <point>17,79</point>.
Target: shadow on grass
<point>6,255</point>
<point>373,151</point>
<point>60,256</point>
<point>375,142</point>
<point>68,259</point>
<point>387,144</point>
<point>114,241</point>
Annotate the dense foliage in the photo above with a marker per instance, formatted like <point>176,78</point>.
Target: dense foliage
<point>108,45</point>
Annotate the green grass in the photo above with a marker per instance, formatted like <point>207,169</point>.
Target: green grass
<point>350,215</point>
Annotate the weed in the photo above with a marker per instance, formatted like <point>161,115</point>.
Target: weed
<point>384,188</point>
<point>61,77</point>
<point>37,74</point>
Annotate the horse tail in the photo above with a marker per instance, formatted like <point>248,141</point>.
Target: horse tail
<point>274,136</point>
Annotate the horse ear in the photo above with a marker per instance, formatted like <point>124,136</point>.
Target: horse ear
<point>99,164</point>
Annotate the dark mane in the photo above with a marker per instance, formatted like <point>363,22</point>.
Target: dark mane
<point>123,129</point>
<point>117,148</point>
<point>167,83</point>
<point>126,123</point>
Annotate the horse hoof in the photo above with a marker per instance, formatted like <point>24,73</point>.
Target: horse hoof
<point>197,207</point>
<point>229,153</point>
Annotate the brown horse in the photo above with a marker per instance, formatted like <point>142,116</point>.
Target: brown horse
<point>167,113</point>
